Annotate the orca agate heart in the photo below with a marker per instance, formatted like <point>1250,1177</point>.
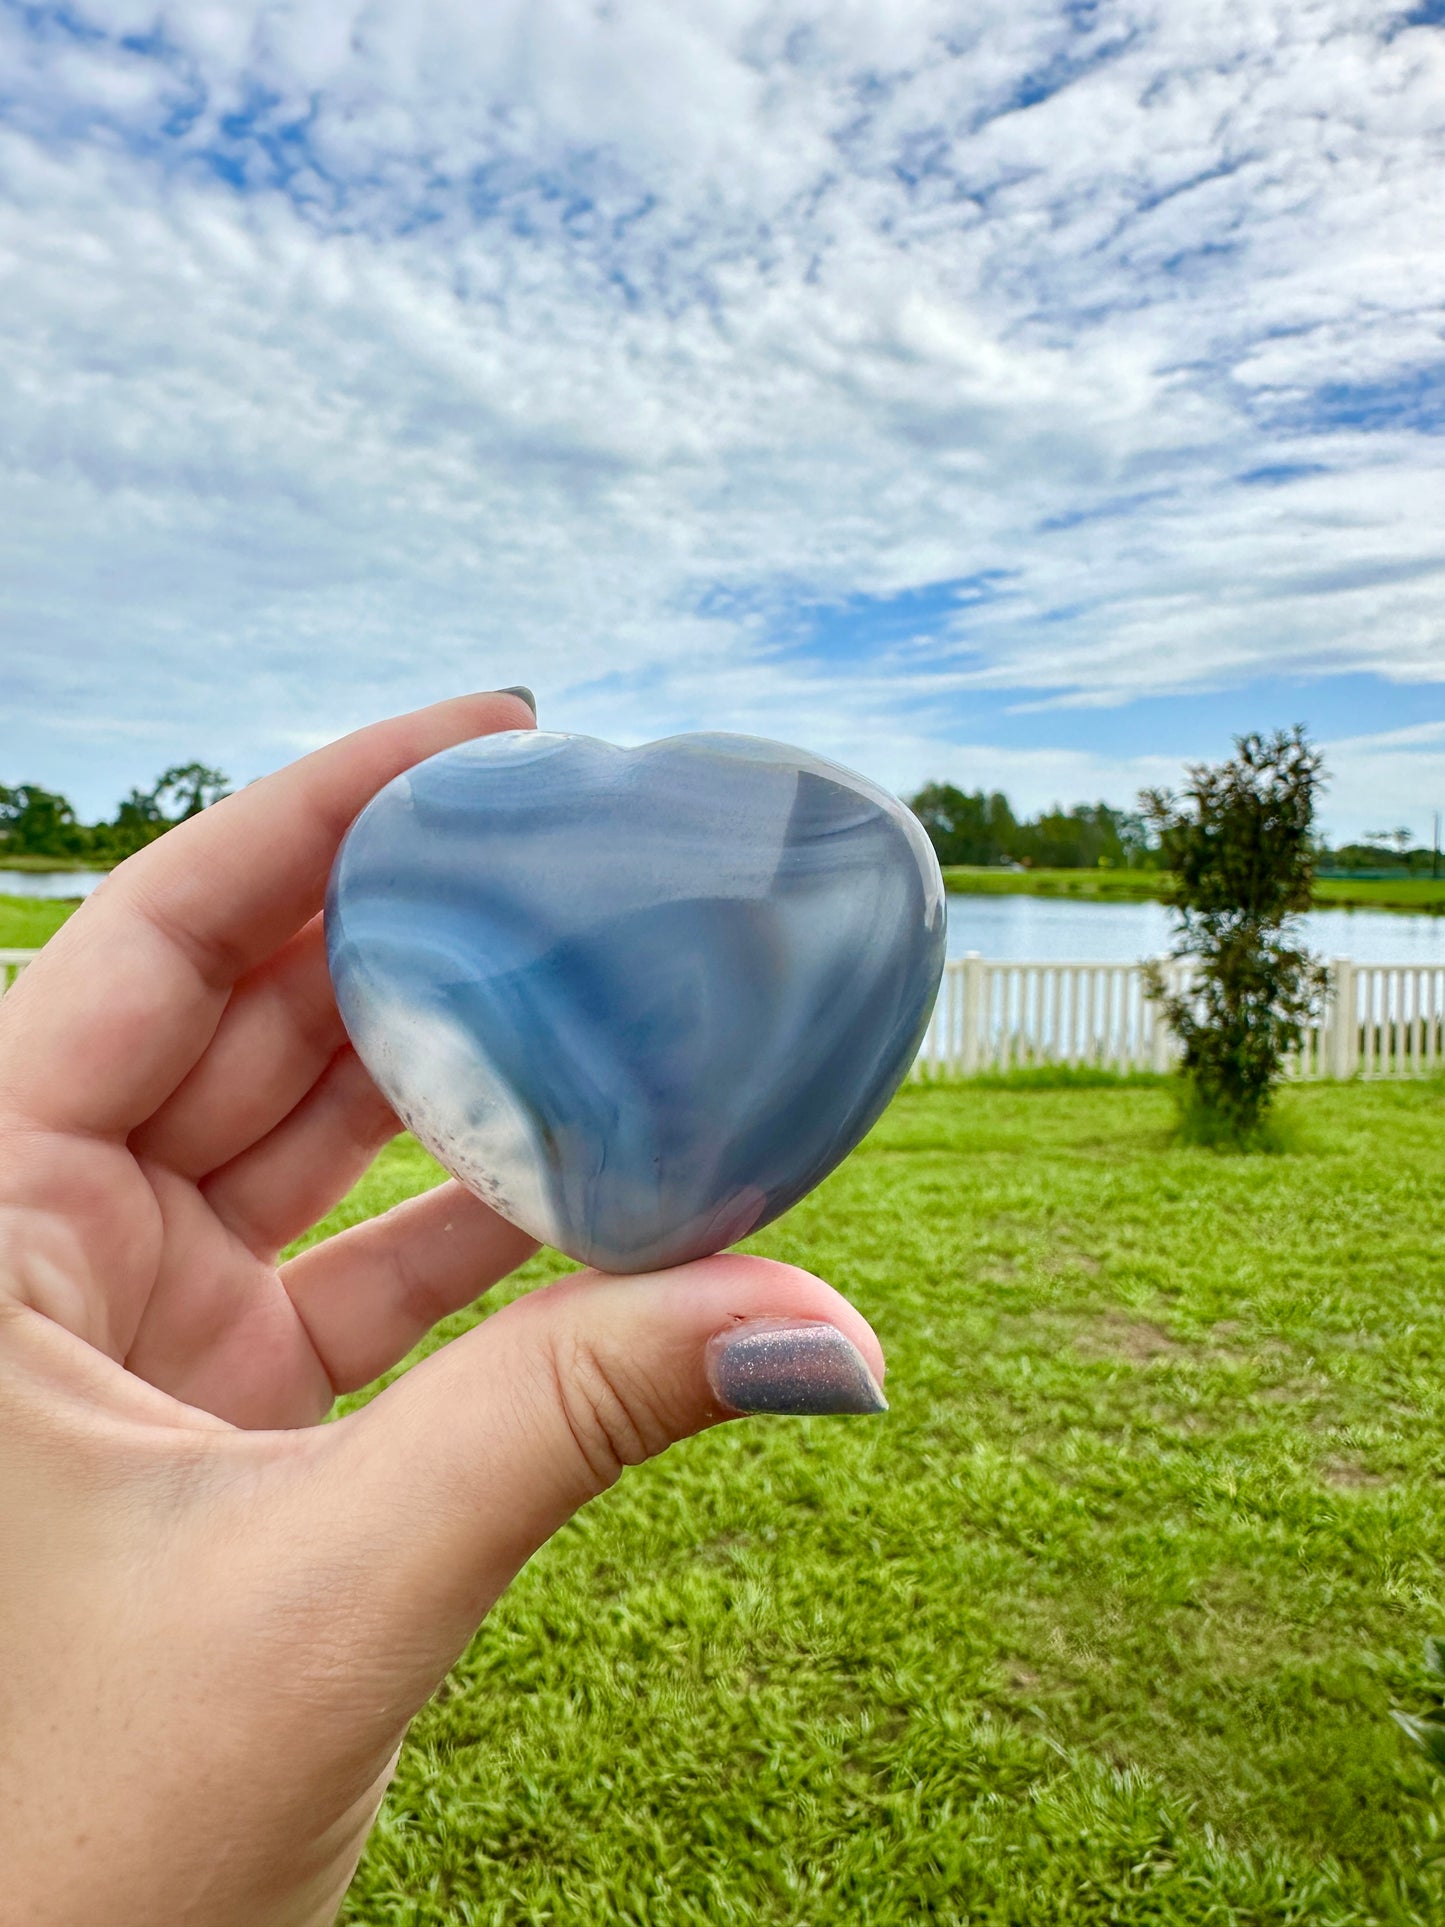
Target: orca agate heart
<point>639,1000</point>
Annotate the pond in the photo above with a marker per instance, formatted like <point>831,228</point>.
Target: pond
<point>1034,929</point>
<point>1044,930</point>
<point>49,883</point>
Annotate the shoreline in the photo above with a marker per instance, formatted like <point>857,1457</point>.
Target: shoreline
<point>52,866</point>
<point>1406,896</point>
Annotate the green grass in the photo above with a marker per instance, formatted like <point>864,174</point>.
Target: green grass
<point>1100,1624</point>
<point>1380,893</point>
<point>1124,886</point>
<point>1136,886</point>
<point>48,865</point>
<point>26,922</point>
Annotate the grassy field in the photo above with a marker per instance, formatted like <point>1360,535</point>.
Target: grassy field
<point>1134,886</point>
<point>25,922</point>
<point>48,865</point>
<point>1100,1624</point>
<point>1380,893</point>
<point>1124,886</point>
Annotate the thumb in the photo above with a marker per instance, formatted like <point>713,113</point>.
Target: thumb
<point>478,1455</point>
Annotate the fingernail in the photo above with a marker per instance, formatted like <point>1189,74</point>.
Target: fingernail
<point>801,1366</point>
<point>521,689</point>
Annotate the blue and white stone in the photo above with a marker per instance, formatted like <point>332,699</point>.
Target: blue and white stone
<point>639,1000</point>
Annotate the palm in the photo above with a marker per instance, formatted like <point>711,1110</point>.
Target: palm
<point>199,1305</point>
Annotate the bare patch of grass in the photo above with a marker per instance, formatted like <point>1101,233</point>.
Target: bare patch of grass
<point>1138,1341</point>
<point>1348,1475</point>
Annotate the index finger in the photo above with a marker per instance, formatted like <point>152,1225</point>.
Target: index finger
<point>129,992</point>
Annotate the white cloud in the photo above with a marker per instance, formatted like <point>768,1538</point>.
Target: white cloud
<point>535,326</point>
<point>1392,778</point>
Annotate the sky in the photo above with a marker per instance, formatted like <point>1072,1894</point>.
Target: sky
<point>1028,394</point>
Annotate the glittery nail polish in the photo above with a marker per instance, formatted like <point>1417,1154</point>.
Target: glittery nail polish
<point>521,689</point>
<point>804,1367</point>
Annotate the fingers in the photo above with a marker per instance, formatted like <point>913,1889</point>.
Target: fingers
<point>279,1031</point>
<point>278,1188</point>
<point>100,1030</point>
<point>260,1352</point>
<point>368,1295</point>
<point>473,1458</point>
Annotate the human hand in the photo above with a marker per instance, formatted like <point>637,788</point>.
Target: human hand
<point>216,1616</point>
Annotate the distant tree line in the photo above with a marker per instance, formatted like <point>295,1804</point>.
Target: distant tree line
<point>1394,852</point>
<point>40,822</point>
<point>974,828</point>
<point>978,828</point>
<point>965,827</point>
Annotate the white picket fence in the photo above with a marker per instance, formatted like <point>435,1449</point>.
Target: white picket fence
<point>12,962</point>
<point>1378,1020</point>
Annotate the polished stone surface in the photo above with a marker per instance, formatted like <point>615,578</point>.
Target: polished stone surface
<point>642,1000</point>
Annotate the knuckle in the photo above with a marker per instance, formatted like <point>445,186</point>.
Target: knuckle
<point>612,1425</point>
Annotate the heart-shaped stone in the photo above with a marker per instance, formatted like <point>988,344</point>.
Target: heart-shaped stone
<point>639,1000</point>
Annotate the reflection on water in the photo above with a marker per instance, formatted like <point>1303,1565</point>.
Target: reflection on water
<point>1044,930</point>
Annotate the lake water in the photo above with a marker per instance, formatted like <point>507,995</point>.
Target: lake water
<point>1046,930</point>
<point>1035,929</point>
<point>49,883</point>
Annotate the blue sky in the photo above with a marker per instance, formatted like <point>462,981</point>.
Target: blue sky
<point>1031,395</point>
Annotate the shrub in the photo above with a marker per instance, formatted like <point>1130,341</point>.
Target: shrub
<point>1240,844</point>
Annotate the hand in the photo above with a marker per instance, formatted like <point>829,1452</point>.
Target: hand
<point>216,1617</point>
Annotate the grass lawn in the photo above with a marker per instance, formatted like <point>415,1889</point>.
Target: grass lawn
<point>1133,886</point>
<point>1380,893</point>
<point>1125,886</point>
<point>1100,1624</point>
<point>49,865</point>
<point>25,922</point>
